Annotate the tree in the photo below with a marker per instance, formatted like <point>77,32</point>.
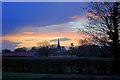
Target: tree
<point>83,41</point>
<point>6,51</point>
<point>104,26</point>
<point>33,49</point>
<point>72,50</point>
<point>43,44</point>
<point>72,45</point>
<point>43,49</point>
<point>23,49</point>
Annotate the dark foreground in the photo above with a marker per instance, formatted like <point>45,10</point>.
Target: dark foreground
<point>37,76</point>
<point>62,68</point>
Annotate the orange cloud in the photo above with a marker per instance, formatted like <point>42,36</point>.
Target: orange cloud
<point>77,17</point>
<point>91,15</point>
<point>33,39</point>
<point>28,33</point>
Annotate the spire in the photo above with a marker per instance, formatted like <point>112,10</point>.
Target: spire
<point>58,46</point>
<point>58,43</point>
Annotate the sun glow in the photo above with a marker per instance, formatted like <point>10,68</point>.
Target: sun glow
<point>29,40</point>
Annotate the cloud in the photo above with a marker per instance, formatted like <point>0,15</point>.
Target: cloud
<point>83,17</point>
<point>32,40</point>
<point>29,33</point>
<point>9,45</point>
<point>61,39</point>
<point>67,26</point>
<point>91,15</point>
<point>76,17</point>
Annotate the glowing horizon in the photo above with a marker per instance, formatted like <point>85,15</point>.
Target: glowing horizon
<point>27,24</point>
<point>30,39</point>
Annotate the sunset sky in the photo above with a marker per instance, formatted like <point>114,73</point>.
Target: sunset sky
<point>25,24</point>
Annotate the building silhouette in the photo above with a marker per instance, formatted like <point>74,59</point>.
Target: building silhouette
<point>58,47</point>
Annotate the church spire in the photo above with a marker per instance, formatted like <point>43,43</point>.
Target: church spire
<point>58,43</point>
<point>58,46</point>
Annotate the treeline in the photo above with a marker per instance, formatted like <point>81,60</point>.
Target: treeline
<point>91,51</point>
<point>82,51</point>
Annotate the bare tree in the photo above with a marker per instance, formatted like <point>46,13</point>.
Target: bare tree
<point>83,41</point>
<point>43,44</point>
<point>104,26</point>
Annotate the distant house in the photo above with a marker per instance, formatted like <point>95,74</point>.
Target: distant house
<point>19,54</point>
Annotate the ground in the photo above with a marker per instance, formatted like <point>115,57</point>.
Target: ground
<point>6,75</point>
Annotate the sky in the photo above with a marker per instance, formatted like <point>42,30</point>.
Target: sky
<point>24,24</point>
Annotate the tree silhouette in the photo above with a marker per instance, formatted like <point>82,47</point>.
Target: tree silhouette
<point>72,45</point>
<point>104,26</point>
<point>83,41</point>
<point>43,44</point>
<point>6,51</point>
<point>33,49</point>
<point>43,51</point>
<point>23,49</point>
<point>72,50</point>
<point>46,49</point>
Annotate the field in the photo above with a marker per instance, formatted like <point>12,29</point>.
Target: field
<point>8,75</point>
<point>83,68</point>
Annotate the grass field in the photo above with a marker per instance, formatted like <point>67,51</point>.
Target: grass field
<point>8,75</point>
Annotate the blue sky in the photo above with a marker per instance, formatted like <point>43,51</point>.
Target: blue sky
<point>41,13</point>
<point>27,23</point>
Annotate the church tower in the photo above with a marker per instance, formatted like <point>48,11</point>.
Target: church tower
<point>58,47</point>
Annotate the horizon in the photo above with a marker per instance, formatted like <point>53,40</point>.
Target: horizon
<point>25,24</point>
